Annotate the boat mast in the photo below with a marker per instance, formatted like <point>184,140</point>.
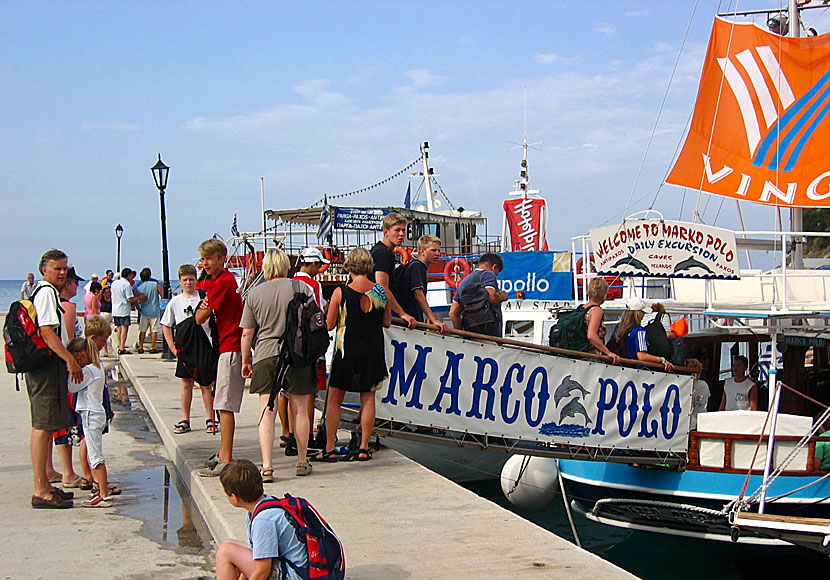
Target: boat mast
<point>796,214</point>
<point>427,177</point>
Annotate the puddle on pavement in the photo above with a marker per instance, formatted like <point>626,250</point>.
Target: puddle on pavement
<point>154,494</point>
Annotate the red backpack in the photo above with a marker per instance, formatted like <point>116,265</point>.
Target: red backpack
<point>25,348</point>
<point>326,560</point>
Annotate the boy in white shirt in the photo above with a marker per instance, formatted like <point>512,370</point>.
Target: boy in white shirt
<point>90,405</point>
<point>181,307</point>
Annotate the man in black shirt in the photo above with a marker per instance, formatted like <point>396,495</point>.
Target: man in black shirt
<point>414,299</point>
<point>394,232</point>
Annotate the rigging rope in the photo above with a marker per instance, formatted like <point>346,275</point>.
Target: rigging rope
<point>367,188</point>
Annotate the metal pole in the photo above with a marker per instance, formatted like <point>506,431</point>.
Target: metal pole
<point>166,354</point>
<point>118,259</point>
<point>264,222</point>
<point>796,214</point>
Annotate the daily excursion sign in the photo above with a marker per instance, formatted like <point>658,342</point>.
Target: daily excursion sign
<point>665,248</point>
<point>457,384</point>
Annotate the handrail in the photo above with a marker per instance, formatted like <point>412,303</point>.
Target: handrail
<point>540,347</point>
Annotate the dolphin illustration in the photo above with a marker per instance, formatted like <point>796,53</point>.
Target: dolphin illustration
<point>567,386</point>
<point>632,262</point>
<point>690,263</point>
<point>572,409</point>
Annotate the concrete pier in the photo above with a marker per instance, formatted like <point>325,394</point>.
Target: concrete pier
<point>396,518</point>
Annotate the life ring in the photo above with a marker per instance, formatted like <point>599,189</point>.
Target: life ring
<point>614,282</point>
<point>452,271</point>
<point>327,256</point>
<point>406,254</point>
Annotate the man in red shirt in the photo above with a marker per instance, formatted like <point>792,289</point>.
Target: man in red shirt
<point>225,303</point>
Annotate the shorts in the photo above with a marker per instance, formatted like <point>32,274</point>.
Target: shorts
<point>264,375</point>
<point>181,370</point>
<point>121,320</point>
<point>94,423</point>
<point>230,385</point>
<point>147,323</point>
<point>48,396</point>
<point>107,316</point>
<point>301,380</point>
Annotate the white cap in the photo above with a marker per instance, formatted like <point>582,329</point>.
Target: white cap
<point>312,254</point>
<point>94,276</point>
<point>638,304</point>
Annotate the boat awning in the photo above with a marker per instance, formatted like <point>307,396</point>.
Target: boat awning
<point>310,216</point>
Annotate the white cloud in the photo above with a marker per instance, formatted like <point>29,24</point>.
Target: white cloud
<point>423,77</point>
<point>605,30</point>
<point>547,58</point>
<point>110,126</point>
<point>316,92</point>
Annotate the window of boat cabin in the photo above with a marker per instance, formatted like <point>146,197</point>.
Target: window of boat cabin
<point>417,229</point>
<point>518,329</point>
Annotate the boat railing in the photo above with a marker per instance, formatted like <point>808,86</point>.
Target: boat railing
<point>731,441</point>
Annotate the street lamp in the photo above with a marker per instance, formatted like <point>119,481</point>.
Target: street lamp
<point>119,231</point>
<point>160,172</point>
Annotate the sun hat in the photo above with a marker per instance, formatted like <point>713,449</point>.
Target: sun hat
<point>72,275</point>
<point>312,254</point>
<point>637,304</point>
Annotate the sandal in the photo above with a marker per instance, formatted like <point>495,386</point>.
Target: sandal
<point>304,469</point>
<point>267,474</point>
<point>75,483</point>
<point>86,484</point>
<point>326,457</point>
<point>182,426</point>
<point>359,455</point>
<point>113,489</point>
<point>283,441</point>
<point>211,426</point>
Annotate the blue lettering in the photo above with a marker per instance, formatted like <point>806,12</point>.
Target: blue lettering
<point>675,411</point>
<point>604,404</point>
<point>413,380</point>
<point>450,381</point>
<point>543,396</point>
<point>647,429</point>
<point>632,408</point>
<point>479,386</point>
<point>507,389</point>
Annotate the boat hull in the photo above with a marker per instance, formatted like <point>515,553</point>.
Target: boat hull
<point>684,503</point>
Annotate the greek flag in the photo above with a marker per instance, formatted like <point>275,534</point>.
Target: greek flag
<point>324,230</point>
<point>764,362</point>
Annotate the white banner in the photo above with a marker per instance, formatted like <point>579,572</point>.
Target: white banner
<point>665,248</point>
<point>480,388</point>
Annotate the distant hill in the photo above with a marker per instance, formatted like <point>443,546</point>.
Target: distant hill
<point>817,220</point>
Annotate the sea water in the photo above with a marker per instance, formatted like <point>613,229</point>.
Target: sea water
<point>10,291</point>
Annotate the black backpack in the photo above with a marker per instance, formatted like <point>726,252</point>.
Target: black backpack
<point>477,313</point>
<point>306,337</point>
<point>616,344</point>
<point>196,352</point>
<point>570,331</point>
<point>658,342</point>
<point>25,349</point>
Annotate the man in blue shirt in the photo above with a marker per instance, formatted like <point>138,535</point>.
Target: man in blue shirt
<point>413,298</point>
<point>489,266</point>
<point>148,291</point>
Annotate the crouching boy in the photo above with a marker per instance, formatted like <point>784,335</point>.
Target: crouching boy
<point>271,537</point>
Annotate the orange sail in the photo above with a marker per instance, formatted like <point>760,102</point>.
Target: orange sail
<point>760,130</point>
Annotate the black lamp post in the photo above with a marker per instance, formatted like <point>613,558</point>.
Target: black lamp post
<point>160,172</point>
<point>119,231</point>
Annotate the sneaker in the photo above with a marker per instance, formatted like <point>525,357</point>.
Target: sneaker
<point>96,501</point>
<point>212,460</point>
<point>212,471</point>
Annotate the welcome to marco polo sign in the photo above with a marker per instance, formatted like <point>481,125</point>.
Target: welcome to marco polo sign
<point>480,388</point>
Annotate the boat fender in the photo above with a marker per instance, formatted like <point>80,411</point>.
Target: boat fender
<point>327,256</point>
<point>453,269</point>
<point>406,254</point>
<point>529,482</point>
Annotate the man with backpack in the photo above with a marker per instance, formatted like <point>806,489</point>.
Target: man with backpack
<point>47,385</point>
<point>476,306</point>
<point>387,268</point>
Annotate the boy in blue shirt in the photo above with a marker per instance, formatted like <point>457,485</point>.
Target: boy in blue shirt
<point>271,537</point>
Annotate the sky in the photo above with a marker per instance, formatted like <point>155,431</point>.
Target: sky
<point>328,97</point>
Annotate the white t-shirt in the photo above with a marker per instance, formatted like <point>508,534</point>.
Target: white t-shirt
<point>737,394</point>
<point>46,306</point>
<point>665,320</point>
<point>700,400</point>
<point>90,390</point>
<point>180,308</point>
<point>121,292</point>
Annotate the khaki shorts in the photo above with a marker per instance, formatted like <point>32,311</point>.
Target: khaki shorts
<point>264,375</point>
<point>301,380</point>
<point>230,385</point>
<point>48,396</point>
<point>146,323</point>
